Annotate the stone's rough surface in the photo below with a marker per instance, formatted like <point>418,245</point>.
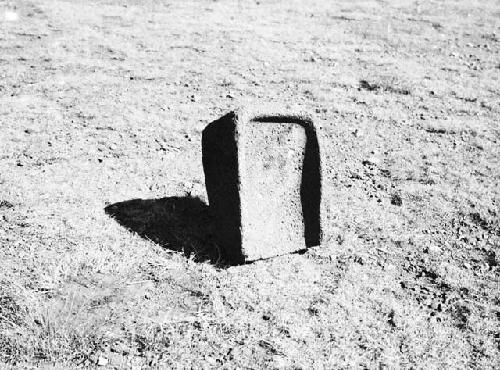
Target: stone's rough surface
<point>271,157</point>
<point>263,179</point>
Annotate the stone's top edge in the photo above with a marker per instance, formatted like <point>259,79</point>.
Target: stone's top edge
<point>279,117</point>
<point>273,113</point>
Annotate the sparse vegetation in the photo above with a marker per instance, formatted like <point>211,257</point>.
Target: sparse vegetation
<point>106,251</point>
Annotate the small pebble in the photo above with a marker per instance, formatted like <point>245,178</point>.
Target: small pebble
<point>372,160</point>
<point>396,200</point>
<point>434,249</point>
<point>102,361</point>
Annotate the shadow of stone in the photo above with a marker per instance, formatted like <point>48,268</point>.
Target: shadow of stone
<point>182,224</point>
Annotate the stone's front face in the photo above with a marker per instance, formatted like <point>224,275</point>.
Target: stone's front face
<point>263,179</point>
<point>271,159</point>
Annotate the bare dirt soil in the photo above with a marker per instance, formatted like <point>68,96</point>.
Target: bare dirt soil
<point>106,251</point>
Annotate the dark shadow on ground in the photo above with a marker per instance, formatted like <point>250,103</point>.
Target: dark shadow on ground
<point>177,223</point>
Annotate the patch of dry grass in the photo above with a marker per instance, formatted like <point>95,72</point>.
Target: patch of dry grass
<point>106,254</point>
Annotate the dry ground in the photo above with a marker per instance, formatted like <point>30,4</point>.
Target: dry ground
<point>103,102</point>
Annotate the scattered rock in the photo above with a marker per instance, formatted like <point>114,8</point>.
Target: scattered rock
<point>6,204</point>
<point>371,161</point>
<point>120,347</point>
<point>102,361</point>
<point>396,200</point>
<point>365,85</point>
<point>433,249</point>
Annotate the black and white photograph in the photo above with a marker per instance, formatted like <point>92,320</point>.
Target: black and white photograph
<point>250,184</point>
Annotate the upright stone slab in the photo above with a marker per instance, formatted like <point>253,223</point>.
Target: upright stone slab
<point>263,179</point>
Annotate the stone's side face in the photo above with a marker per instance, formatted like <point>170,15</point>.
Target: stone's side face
<point>220,164</point>
<point>263,179</point>
<point>271,157</point>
